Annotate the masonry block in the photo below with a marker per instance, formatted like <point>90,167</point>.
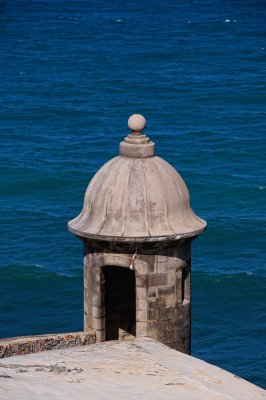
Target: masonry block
<point>157,279</point>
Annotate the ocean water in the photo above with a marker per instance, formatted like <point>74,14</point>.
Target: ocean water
<point>72,72</point>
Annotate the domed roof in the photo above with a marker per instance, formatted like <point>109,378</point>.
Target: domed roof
<point>137,196</point>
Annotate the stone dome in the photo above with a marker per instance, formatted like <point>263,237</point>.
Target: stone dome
<point>137,196</point>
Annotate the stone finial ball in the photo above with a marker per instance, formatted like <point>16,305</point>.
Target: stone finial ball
<point>136,123</point>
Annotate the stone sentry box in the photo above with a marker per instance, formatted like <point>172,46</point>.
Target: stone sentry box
<point>137,227</point>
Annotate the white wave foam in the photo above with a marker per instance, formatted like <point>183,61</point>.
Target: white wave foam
<point>227,20</point>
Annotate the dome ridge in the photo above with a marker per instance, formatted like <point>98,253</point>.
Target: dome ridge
<point>164,191</point>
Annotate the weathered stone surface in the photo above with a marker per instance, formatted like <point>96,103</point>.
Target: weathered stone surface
<point>162,299</point>
<point>158,279</point>
<point>35,344</point>
<point>138,369</point>
<point>137,196</point>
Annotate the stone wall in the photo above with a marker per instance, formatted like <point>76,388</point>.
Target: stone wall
<point>162,275</point>
<point>35,344</point>
<point>169,308</point>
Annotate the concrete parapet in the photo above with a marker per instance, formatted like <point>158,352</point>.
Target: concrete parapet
<point>134,369</point>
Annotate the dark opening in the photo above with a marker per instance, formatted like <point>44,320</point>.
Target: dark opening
<point>120,302</point>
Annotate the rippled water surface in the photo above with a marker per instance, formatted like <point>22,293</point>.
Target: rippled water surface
<point>71,74</point>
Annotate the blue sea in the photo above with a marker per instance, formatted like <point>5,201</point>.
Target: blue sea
<point>72,72</point>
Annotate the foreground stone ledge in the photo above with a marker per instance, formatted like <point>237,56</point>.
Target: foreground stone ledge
<point>34,344</point>
<point>119,370</point>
